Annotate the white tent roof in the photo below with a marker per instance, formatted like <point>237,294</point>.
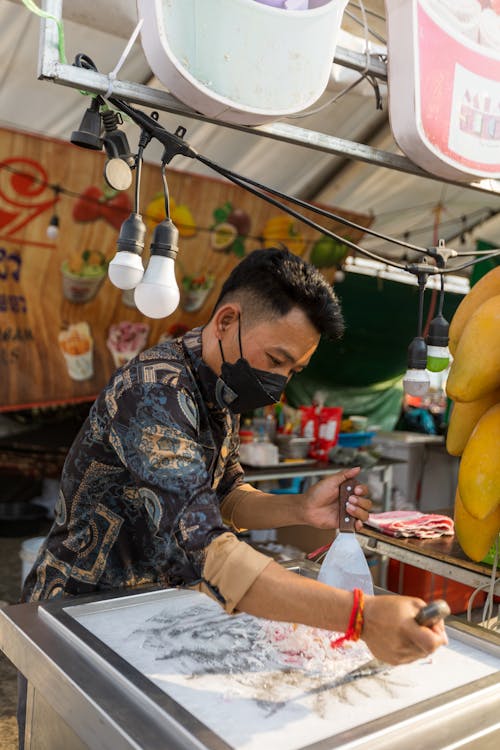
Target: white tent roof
<point>400,202</point>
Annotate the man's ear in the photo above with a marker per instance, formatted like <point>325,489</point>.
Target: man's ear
<point>225,317</point>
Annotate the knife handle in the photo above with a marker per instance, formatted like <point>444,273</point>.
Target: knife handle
<point>432,613</point>
<point>346,522</point>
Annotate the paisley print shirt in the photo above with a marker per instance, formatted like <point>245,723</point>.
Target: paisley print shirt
<point>143,482</point>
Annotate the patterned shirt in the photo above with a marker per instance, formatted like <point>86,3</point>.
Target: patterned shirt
<point>143,483</point>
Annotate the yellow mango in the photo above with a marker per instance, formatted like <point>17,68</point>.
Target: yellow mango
<point>479,471</point>
<point>487,286</point>
<point>464,417</point>
<point>474,536</point>
<point>476,367</point>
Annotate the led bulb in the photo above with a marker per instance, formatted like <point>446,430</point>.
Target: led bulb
<point>438,354</point>
<point>438,358</point>
<point>416,382</point>
<point>339,276</point>
<point>52,230</point>
<point>157,296</point>
<point>125,270</point>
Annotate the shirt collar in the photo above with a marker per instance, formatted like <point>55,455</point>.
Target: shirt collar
<point>208,382</point>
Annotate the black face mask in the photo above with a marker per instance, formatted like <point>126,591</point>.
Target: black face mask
<point>243,388</point>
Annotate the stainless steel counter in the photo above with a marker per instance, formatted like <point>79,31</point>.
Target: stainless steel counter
<point>87,688</point>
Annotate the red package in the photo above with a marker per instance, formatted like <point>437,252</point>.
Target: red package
<point>328,432</point>
<point>309,422</point>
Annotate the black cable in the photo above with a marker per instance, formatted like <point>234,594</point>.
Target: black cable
<point>470,263</point>
<point>138,175</point>
<point>441,296</point>
<point>243,183</point>
<point>422,281</point>
<point>175,145</point>
<point>166,193</point>
<point>315,209</point>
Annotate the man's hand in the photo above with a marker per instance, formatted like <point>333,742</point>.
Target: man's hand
<point>392,633</point>
<point>320,506</point>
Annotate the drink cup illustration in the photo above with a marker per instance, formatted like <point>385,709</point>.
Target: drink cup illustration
<point>126,340</point>
<point>77,347</point>
<point>83,275</point>
<point>195,290</point>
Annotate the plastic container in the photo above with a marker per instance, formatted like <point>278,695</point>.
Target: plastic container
<point>238,60</point>
<point>355,439</point>
<point>28,554</point>
<point>292,446</point>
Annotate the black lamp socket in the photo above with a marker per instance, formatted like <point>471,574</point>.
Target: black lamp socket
<point>165,239</point>
<point>132,233</point>
<point>417,354</point>
<point>438,332</point>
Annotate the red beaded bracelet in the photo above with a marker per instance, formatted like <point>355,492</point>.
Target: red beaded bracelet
<point>356,620</point>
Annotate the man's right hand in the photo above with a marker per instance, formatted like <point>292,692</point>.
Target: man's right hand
<point>391,632</point>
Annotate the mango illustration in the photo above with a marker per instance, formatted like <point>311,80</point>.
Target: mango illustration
<point>475,536</point>
<point>479,471</point>
<point>464,417</point>
<point>476,368</point>
<point>487,286</point>
<point>282,229</point>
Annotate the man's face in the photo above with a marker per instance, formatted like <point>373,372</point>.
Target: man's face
<point>280,345</point>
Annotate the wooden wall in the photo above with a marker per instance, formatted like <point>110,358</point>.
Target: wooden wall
<point>37,301</point>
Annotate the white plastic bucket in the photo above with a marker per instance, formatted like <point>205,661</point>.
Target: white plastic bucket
<point>239,60</point>
<point>28,554</point>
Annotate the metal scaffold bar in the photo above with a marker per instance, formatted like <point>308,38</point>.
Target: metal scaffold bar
<point>50,68</point>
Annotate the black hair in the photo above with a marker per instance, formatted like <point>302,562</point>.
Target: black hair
<point>270,282</point>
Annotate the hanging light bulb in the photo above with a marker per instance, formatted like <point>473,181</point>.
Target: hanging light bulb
<point>52,230</point>
<point>416,381</point>
<point>126,270</point>
<point>339,276</point>
<point>438,354</point>
<point>157,295</point>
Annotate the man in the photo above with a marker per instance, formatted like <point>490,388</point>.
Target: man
<point>152,490</point>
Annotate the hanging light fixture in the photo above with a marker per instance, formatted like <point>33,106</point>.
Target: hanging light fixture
<point>52,230</point>
<point>416,381</point>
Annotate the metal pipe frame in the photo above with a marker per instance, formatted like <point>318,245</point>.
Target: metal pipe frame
<point>49,68</point>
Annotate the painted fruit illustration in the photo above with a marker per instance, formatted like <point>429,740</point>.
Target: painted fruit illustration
<point>229,230</point>
<point>180,214</point>
<point>222,236</point>
<point>327,252</point>
<point>93,204</point>
<point>283,230</point>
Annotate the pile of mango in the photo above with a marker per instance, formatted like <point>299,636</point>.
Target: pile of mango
<point>474,427</point>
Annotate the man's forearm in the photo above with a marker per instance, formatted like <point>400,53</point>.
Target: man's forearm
<point>248,508</point>
<point>278,594</point>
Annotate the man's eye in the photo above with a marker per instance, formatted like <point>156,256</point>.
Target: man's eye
<point>274,361</point>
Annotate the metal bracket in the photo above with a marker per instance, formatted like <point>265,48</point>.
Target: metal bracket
<point>50,68</point>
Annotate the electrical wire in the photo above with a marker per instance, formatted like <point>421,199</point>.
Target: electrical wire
<point>368,11</point>
<point>441,296</point>
<point>454,269</point>
<point>315,209</point>
<point>260,190</point>
<point>165,191</point>
<point>373,33</point>
<point>242,182</point>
